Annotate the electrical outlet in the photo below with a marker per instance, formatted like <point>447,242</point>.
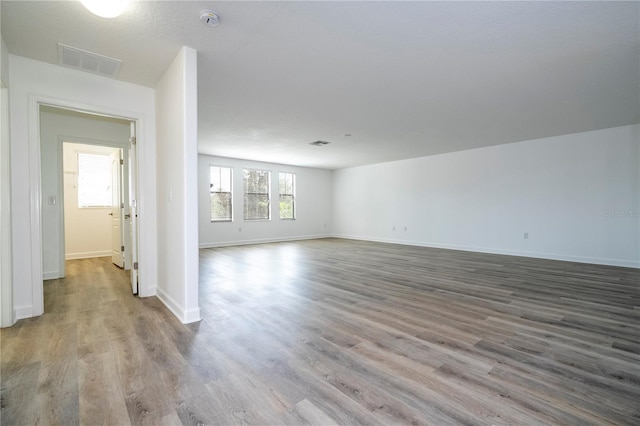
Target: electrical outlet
<point>526,235</point>
<point>405,228</point>
<point>394,228</point>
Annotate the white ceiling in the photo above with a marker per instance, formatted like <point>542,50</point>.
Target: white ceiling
<point>405,79</point>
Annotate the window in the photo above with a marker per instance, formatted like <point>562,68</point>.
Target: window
<point>221,196</point>
<point>94,180</point>
<point>256,194</point>
<point>287,184</point>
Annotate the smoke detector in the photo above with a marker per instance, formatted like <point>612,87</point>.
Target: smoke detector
<point>319,143</point>
<point>209,18</point>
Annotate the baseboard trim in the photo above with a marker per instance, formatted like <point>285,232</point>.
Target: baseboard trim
<point>51,275</point>
<point>87,254</point>
<point>549,256</point>
<point>22,312</point>
<point>185,317</point>
<point>192,315</point>
<point>263,241</point>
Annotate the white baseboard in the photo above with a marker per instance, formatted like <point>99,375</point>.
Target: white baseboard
<point>87,254</point>
<point>51,275</point>
<point>192,315</point>
<point>185,317</point>
<point>262,241</point>
<point>25,311</point>
<point>550,256</point>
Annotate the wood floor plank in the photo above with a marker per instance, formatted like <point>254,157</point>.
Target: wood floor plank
<point>101,397</point>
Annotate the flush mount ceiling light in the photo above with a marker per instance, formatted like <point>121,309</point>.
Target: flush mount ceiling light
<point>209,18</point>
<point>319,143</point>
<point>105,8</point>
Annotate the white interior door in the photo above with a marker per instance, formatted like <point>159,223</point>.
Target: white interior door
<point>133,208</point>
<point>117,207</point>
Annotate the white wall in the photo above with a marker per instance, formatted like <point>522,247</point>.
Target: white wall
<point>7,312</point>
<point>577,196</point>
<point>57,126</point>
<point>34,82</point>
<point>313,205</point>
<point>177,115</point>
<point>87,231</point>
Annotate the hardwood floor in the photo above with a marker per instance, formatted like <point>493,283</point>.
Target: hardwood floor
<point>334,332</point>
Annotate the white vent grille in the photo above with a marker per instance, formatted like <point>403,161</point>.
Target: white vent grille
<point>87,61</point>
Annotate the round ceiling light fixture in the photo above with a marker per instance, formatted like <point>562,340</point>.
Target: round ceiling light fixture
<point>106,8</point>
<point>209,18</point>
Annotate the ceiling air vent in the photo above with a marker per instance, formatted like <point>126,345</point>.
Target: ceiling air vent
<point>319,143</point>
<point>73,57</point>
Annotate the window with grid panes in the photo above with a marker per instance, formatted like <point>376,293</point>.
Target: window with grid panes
<point>221,189</point>
<point>287,185</point>
<point>256,194</point>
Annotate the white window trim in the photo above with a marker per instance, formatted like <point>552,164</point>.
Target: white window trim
<point>232,194</point>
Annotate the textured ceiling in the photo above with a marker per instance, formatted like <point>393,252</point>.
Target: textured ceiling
<point>404,79</point>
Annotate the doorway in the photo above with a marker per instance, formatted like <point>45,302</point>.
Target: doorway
<point>95,187</point>
<point>84,134</point>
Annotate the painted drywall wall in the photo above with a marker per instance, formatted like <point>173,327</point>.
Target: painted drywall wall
<point>33,82</point>
<point>7,312</point>
<point>575,196</point>
<point>313,205</point>
<point>176,112</point>
<point>87,231</point>
<point>56,128</point>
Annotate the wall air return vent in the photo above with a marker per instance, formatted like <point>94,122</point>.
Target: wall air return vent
<point>73,57</point>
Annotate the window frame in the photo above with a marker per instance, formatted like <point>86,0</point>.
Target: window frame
<point>292,195</point>
<point>245,193</point>
<point>211,192</point>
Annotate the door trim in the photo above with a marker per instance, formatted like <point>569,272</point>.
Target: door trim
<point>35,184</point>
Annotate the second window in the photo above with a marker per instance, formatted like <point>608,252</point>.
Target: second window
<point>256,194</point>
<point>287,185</point>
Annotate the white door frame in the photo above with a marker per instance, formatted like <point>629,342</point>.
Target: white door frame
<point>133,233</point>
<point>35,179</point>
<point>7,311</point>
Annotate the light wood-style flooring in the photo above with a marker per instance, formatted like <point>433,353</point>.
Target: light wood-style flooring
<point>334,332</point>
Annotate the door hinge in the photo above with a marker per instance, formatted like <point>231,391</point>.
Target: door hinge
<point>121,248</point>
<point>121,161</point>
<point>135,266</point>
<point>122,205</point>
<point>133,140</point>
